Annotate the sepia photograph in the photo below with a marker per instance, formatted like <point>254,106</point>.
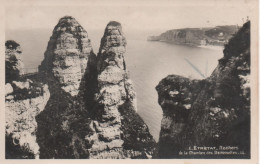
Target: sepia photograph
<point>131,80</point>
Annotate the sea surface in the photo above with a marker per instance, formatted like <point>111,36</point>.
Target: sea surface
<point>147,62</point>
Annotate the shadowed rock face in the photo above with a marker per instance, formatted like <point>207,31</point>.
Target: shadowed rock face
<point>13,63</point>
<point>68,54</point>
<point>210,112</point>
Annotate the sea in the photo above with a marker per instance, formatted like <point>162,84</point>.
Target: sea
<point>148,62</point>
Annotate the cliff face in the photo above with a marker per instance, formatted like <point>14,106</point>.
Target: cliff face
<point>24,100</point>
<point>13,63</point>
<point>211,112</point>
<point>189,36</point>
<point>68,54</point>
<point>197,36</point>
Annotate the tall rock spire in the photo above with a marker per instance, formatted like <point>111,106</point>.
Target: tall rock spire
<point>69,69</point>
<point>116,104</point>
<point>111,65</point>
<point>67,54</point>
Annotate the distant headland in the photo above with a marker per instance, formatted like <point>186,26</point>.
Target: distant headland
<point>209,36</point>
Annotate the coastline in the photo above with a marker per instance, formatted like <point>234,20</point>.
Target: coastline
<point>191,44</point>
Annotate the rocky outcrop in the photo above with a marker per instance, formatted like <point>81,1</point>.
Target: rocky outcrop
<point>213,112</point>
<point>13,63</point>
<point>24,101</point>
<point>116,104</point>
<point>68,53</point>
<point>95,115</point>
<point>197,36</point>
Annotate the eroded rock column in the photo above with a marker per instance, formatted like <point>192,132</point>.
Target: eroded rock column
<point>114,88</point>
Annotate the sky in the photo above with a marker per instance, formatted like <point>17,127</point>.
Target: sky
<point>144,16</point>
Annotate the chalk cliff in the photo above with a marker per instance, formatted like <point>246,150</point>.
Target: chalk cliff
<point>24,100</point>
<point>210,112</point>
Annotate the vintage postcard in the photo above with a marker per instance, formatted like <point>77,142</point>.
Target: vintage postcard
<point>155,81</point>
